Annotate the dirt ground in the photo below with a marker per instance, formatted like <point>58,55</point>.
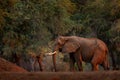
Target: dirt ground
<point>109,75</point>
<point>9,71</point>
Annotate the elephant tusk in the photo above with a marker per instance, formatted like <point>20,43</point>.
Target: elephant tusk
<point>51,53</point>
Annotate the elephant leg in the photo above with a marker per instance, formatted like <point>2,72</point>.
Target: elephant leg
<point>94,63</point>
<point>78,58</point>
<point>105,64</point>
<point>54,61</point>
<point>95,67</point>
<point>40,63</point>
<point>72,61</point>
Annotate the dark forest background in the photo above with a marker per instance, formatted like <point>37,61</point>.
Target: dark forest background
<point>32,25</point>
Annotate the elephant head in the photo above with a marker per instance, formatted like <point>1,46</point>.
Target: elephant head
<point>66,44</point>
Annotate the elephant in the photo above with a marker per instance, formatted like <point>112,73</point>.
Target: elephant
<point>91,50</point>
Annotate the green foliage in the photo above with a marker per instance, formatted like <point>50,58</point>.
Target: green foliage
<point>30,24</point>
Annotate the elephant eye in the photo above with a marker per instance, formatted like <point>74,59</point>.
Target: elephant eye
<point>60,44</point>
<point>57,44</point>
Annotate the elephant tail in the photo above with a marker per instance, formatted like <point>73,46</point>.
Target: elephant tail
<point>106,64</point>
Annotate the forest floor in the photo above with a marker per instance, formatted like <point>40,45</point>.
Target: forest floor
<point>9,71</point>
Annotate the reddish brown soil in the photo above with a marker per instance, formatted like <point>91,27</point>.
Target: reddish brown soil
<point>109,75</point>
<point>6,66</point>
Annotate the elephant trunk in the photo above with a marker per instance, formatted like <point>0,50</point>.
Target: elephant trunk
<point>55,49</point>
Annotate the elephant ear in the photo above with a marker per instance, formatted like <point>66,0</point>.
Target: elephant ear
<point>70,46</point>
